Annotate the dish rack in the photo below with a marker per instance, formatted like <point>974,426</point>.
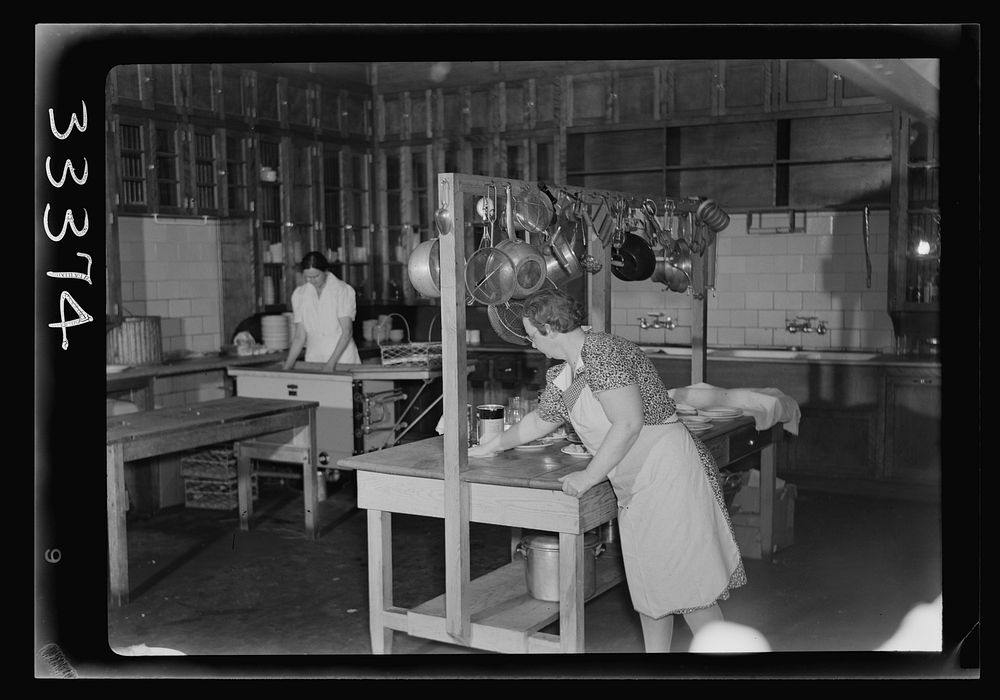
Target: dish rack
<point>410,354</point>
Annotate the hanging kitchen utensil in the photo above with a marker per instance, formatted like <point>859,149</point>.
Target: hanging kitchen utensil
<point>507,321</point>
<point>533,211</point>
<point>489,273</point>
<point>529,264</point>
<point>561,262</point>
<point>633,260</point>
<point>868,260</point>
<point>712,215</point>
<point>424,269</point>
<point>443,221</point>
<point>657,235</point>
<point>589,262</point>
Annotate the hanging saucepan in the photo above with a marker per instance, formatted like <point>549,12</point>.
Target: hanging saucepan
<point>529,264</point>
<point>674,268</point>
<point>561,263</point>
<point>633,260</point>
<point>424,269</point>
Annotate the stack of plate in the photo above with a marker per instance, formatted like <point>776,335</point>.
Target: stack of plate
<point>684,410</point>
<point>720,414</point>
<point>274,330</point>
<point>697,424</point>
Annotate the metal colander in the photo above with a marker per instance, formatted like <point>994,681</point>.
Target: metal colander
<point>506,319</point>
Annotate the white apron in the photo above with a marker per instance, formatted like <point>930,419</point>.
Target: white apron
<point>319,314</point>
<point>677,545</point>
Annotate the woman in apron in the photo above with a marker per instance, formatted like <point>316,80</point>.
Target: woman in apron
<point>324,308</point>
<point>678,546</point>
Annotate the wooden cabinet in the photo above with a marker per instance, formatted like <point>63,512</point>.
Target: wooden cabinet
<point>718,88</point>
<point>614,97</point>
<point>913,426</point>
<point>915,222</point>
<point>807,84</point>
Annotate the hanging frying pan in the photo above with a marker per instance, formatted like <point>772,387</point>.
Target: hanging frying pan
<point>633,260</point>
<point>529,265</point>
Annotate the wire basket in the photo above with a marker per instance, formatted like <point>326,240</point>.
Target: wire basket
<point>410,354</point>
<point>209,464</point>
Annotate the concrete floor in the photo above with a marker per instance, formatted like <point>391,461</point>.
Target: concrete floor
<point>203,587</point>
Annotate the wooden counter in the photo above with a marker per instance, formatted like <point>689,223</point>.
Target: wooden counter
<point>519,489</point>
<point>150,433</point>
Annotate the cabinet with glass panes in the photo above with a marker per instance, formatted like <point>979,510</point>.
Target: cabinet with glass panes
<point>915,261</point>
<point>346,216</point>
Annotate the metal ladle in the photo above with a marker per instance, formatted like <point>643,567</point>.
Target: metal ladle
<point>443,219</point>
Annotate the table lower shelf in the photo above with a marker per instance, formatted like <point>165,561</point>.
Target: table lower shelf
<point>504,616</point>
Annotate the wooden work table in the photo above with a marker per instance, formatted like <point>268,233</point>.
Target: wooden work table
<point>150,433</point>
<point>518,489</point>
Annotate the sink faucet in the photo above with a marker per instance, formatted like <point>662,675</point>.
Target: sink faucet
<point>667,322</point>
<point>804,324</point>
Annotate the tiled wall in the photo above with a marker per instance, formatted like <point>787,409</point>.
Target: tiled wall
<point>170,268</point>
<point>764,279</point>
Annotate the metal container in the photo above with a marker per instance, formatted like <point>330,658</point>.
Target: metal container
<point>490,417</point>
<point>135,341</point>
<point>541,571</point>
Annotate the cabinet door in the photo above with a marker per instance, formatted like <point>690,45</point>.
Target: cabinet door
<point>204,153</point>
<point>345,213</point>
<point>134,165</point>
<point>236,173</point>
<point>692,89</point>
<point>270,218</point>
<point>202,90</point>
<point>913,426</point>
<point>915,242</point>
<point>804,84</point>
<point>513,105</point>
<point>266,109</point>
<point>298,101</point>
<point>746,87</point>
<point>419,114</point>
<point>849,94</point>
<point>300,236</point>
<point>235,93</point>
<point>637,96</point>
<point>545,102</point>
<point>452,112</point>
<point>169,188</point>
<point>131,85</point>
<point>481,110</point>
<point>389,116</point>
<point>166,92</point>
<point>589,99</point>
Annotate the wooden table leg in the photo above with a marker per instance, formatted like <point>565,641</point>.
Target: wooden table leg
<point>117,540</point>
<point>306,437</point>
<point>379,579</point>
<point>244,486</point>
<point>571,593</point>
<point>768,476</point>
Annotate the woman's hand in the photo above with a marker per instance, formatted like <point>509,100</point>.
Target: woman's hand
<point>486,449</point>
<point>577,483</point>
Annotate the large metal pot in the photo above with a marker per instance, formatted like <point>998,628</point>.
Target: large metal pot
<point>529,263</point>
<point>541,571</point>
<point>424,269</point>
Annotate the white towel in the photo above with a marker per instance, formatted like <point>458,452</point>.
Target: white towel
<point>767,406</point>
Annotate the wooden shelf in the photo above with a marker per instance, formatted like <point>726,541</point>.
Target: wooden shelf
<point>500,599</point>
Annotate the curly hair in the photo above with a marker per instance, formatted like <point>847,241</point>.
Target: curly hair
<point>554,307</point>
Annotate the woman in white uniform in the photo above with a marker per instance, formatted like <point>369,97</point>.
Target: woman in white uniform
<point>323,311</point>
<point>678,546</point>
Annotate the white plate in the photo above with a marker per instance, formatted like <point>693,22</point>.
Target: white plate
<point>696,419</point>
<point>114,369</point>
<point>720,411</point>
<point>684,409</point>
<point>695,428</point>
<point>575,451</point>
<point>532,446</point>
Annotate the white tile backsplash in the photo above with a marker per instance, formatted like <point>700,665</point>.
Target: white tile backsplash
<point>764,279</point>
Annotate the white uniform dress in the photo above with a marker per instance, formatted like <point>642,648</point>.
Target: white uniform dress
<point>678,546</point>
<point>321,314</point>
